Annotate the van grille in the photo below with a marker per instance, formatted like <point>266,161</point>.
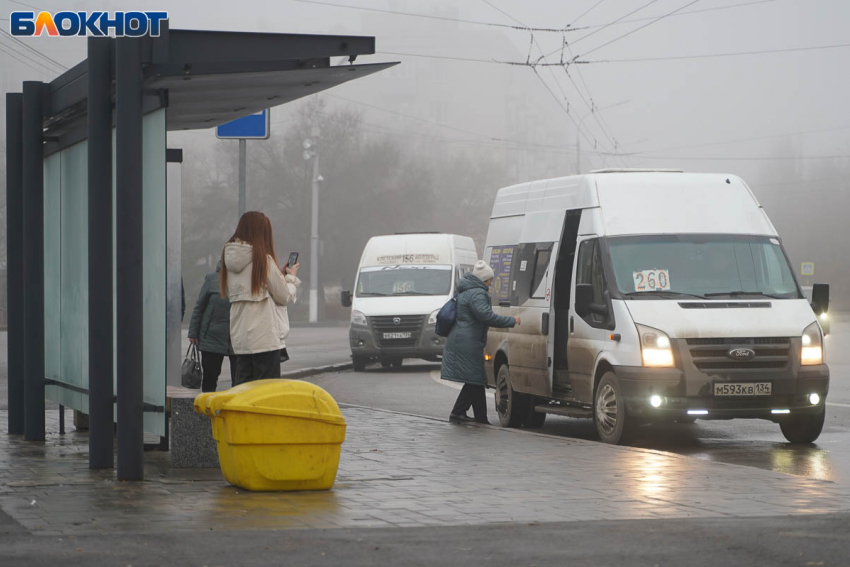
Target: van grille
<point>772,353</point>
<point>407,324</point>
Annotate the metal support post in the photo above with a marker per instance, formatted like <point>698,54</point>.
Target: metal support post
<point>128,218</point>
<point>101,408</point>
<point>33,250</point>
<point>243,174</point>
<point>15,260</point>
<point>314,244</point>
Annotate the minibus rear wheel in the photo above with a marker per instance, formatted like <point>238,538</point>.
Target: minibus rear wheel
<point>804,428</point>
<point>609,411</point>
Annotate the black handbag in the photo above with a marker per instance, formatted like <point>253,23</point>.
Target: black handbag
<point>191,374</point>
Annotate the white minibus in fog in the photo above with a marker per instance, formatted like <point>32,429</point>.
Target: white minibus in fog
<point>402,282</point>
<point>650,296</point>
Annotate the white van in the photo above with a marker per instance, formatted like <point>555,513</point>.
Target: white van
<point>649,296</point>
<point>402,282</point>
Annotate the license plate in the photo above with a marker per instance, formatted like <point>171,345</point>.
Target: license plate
<point>397,335</point>
<point>743,389</point>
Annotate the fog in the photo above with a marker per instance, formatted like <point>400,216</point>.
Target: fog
<point>472,108</point>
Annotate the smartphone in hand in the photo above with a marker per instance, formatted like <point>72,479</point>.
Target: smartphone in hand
<point>293,259</point>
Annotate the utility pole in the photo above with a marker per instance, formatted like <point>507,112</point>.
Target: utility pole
<point>243,154</point>
<point>311,152</point>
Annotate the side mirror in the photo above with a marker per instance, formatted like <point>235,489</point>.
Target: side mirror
<point>820,298</point>
<point>345,298</point>
<point>584,297</point>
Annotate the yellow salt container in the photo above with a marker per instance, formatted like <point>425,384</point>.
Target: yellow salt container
<point>276,435</point>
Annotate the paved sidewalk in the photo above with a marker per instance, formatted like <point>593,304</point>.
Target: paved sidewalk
<point>397,471</point>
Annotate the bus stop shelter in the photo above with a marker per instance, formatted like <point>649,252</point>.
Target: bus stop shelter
<point>93,223</point>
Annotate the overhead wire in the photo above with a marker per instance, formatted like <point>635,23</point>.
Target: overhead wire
<point>34,50</point>
<point>689,12</point>
<point>24,4</point>
<point>713,55</point>
<point>543,56</point>
<point>583,14</point>
<point>8,50</point>
<point>554,77</point>
<point>618,38</point>
<point>427,16</point>
<point>603,27</point>
<point>621,21</point>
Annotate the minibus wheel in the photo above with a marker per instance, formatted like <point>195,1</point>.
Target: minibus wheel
<point>509,404</point>
<point>609,410</point>
<point>805,428</point>
<point>358,363</point>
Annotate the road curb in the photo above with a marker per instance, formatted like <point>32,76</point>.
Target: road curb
<point>307,372</point>
<point>571,440</point>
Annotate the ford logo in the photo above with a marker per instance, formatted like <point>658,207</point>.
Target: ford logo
<point>397,321</point>
<point>741,354</point>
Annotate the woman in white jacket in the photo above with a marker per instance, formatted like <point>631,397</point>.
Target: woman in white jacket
<point>255,286</point>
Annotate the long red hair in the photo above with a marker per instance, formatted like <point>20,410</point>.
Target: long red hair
<point>254,228</point>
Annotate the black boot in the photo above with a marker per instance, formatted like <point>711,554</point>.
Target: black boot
<point>460,418</point>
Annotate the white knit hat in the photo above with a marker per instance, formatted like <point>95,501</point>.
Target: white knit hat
<point>482,271</point>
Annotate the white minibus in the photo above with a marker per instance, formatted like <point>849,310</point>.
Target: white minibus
<point>649,296</point>
<point>402,282</point>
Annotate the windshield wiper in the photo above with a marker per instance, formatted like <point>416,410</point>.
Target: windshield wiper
<point>373,294</point>
<point>661,292</point>
<point>738,293</point>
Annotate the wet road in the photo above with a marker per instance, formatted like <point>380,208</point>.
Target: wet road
<point>756,443</point>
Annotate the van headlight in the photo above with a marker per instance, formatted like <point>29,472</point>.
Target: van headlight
<point>655,348</point>
<point>357,318</point>
<point>812,352</point>
<point>432,320</point>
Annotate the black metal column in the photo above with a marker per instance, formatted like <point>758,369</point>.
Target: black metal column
<point>33,250</point>
<point>101,431</point>
<point>128,218</point>
<point>15,260</point>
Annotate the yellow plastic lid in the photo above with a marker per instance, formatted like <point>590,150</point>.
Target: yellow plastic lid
<point>288,398</point>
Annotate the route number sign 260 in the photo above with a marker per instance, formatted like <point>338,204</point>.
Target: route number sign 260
<point>652,280</point>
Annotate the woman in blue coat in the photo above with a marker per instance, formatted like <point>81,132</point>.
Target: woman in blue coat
<point>463,356</point>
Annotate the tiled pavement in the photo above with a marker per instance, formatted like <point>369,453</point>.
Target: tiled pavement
<point>399,470</point>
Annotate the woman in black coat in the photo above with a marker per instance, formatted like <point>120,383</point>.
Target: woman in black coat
<point>463,355</point>
<point>209,329</point>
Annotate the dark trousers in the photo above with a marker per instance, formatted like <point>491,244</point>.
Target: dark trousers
<point>257,366</point>
<point>211,364</point>
<point>474,396</point>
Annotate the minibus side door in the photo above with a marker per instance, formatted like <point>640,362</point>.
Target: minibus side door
<point>589,328</point>
<point>559,308</point>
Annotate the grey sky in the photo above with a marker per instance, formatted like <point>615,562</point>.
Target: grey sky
<point>673,103</point>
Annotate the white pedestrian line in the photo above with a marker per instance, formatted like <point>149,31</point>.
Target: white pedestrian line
<point>435,376</point>
<point>838,405</point>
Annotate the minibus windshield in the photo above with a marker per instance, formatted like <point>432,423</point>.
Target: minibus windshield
<point>702,266</point>
<point>404,280</point>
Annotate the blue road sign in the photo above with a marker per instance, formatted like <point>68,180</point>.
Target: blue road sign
<point>254,126</point>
